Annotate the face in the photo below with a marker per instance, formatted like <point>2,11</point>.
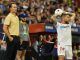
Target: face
<point>41,37</point>
<point>13,8</point>
<point>23,19</point>
<point>50,37</point>
<point>66,18</point>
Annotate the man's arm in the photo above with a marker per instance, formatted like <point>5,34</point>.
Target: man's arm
<point>6,31</point>
<point>73,16</point>
<point>53,18</point>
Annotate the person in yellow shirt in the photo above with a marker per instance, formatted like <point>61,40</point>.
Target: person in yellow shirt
<point>11,29</point>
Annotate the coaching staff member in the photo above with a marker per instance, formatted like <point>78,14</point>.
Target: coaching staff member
<point>11,29</point>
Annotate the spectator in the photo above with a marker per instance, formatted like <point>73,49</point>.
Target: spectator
<point>2,6</point>
<point>24,37</point>
<point>78,52</point>
<point>75,56</point>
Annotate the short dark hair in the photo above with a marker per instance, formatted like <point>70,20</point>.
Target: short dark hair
<point>10,5</point>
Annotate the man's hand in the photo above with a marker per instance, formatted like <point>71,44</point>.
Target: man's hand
<point>29,44</point>
<point>1,42</point>
<point>11,39</point>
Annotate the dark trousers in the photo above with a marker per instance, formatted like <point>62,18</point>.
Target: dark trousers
<point>12,47</point>
<point>2,55</point>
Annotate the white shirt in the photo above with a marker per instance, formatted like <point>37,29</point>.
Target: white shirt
<point>64,34</point>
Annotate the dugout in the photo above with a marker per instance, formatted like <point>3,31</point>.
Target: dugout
<point>44,50</point>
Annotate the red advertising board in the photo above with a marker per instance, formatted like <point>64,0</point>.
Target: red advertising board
<point>35,28</point>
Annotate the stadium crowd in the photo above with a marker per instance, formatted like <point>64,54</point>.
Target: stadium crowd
<point>41,11</point>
